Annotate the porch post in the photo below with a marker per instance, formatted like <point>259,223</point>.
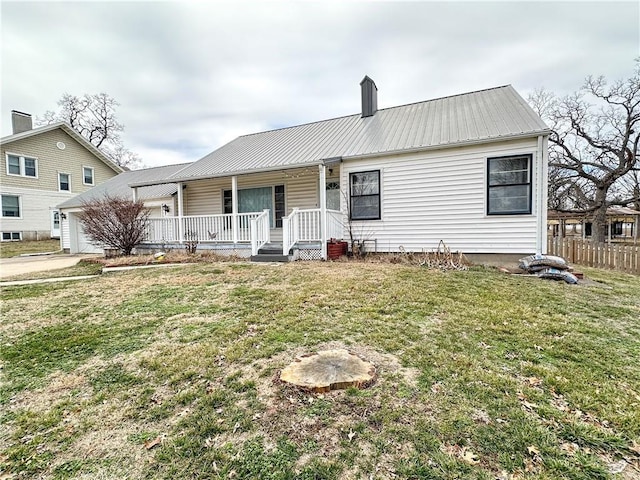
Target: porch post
<point>134,193</point>
<point>234,207</point>
<point>323,210</point>
<point>180,214</point>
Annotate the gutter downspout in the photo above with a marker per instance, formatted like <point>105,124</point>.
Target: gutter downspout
<point>542,160</point>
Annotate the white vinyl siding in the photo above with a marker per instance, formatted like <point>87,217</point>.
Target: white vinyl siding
<point>441,195</point>
<point>35,209</point>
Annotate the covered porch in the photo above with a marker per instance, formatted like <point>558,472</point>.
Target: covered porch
<point>256,211</point>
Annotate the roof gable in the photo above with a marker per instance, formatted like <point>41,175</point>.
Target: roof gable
<point>72,133</point>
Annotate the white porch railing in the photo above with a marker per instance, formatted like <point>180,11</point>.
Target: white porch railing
<point>203,228</point>
<point>254,228</point>
<point>260,231</point>
<point>306,226</point>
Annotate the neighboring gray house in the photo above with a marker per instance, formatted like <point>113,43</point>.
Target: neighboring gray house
<point>468,169</point>
<point>41,168</point>
<point>160,199</point>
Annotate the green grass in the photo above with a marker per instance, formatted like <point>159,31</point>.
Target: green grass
<point>13,249</point>
<point>173,373</point>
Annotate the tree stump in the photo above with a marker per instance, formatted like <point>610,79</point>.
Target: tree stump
<point>329,370</point>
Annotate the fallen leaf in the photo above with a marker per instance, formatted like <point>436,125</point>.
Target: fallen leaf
<point>534,381</point>
<point>533,450</point>
<point>635,447</point>
<point>149,444</point>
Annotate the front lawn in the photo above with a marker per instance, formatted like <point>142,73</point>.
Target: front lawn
<point>173,373</point>
<point>13,249</point>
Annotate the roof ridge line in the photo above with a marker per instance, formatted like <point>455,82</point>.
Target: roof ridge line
<point>379,110</point>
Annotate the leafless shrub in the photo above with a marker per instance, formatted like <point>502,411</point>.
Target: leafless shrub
<point>115,222</point>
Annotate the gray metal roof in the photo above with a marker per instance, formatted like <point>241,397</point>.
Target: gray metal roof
<point>476,117</point>
<point>118,186</point>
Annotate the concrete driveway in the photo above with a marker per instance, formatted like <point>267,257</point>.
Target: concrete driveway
<point>39,263</point>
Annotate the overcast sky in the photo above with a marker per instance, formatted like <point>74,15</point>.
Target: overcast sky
<point>191,76</point>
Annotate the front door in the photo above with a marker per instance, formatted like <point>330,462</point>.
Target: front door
<point>333,195</point>
<point>55,224</point>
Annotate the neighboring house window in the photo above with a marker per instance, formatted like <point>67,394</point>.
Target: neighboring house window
<point>616,228</point>
<point>509,185</point>
<point>365,195</point>
<point>22,166</point>
<point>10,206</point>
<point>87,175</point>
<point>64,181</point>
<point>11,236</point>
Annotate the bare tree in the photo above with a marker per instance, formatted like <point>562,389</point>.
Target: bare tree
<point>93,117</point>
<point>115,222</point>
<point>593,148</point>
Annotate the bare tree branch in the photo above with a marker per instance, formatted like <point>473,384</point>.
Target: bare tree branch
<point>593,147</point>
<point>94,117</point>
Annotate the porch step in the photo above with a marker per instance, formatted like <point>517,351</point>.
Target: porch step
<point>271,252</point>
<point>271,257</point>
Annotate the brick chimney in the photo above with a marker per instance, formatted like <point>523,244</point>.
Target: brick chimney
<point>21,122</point>
<point>369,97</point>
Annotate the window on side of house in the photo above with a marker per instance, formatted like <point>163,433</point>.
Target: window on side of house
<point>11,236</point>
<point>364,198</point>
<point>11,206</point>
<point>509,185</point>
<point>22,166</point>
<point>64,182</point>
<point>87,175</point>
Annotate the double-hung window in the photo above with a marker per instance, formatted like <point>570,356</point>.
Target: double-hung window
<point>87,175</point>
<point>509,185</point>
<point>64,182</point>
<point>22,166</point>
<point>364,189</point>
<point>11,206</point>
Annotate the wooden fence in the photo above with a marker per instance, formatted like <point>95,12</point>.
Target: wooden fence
<point>625,258</point>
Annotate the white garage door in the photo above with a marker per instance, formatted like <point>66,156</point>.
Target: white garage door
<point>80,241</point>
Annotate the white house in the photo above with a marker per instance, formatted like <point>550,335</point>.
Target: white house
<point>468,169</point>
<point>41,168</point>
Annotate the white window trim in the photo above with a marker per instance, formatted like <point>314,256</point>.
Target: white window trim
<point>64,173</point>
<point>11,239</point>
<point>21,159</point>
<point>19,217</point>
<point>93,175</point>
